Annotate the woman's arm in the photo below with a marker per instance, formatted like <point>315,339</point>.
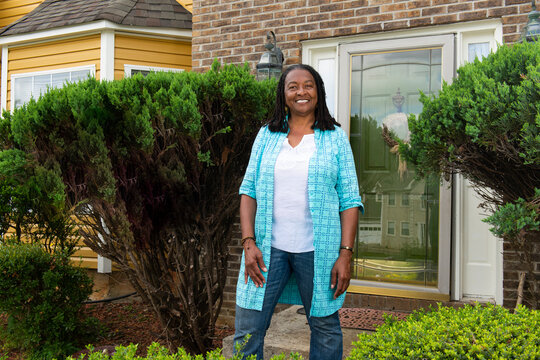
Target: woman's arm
<point>253,257</point>
<point>341,272</point>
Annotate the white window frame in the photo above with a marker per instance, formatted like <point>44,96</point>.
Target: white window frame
<point>408,197</point>
<point>388,228</point>
<point>401,228</point>
<point>464,33</point>
<point>128,68</point>
<point>91,68</point>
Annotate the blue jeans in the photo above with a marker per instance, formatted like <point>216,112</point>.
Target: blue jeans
<point>326,337</point>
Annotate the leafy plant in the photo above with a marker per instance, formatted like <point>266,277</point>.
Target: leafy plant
<point>158,352</point>
<point>471,332</point>
<point>485,125</point>
<point>152,166</point>
<point>42,295</point>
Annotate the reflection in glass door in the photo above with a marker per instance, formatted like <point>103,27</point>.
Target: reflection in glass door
<point>398,236</point>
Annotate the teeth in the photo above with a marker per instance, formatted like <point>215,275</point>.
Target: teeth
<point>301,101</point>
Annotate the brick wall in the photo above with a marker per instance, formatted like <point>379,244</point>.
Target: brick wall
<point>235,31</point>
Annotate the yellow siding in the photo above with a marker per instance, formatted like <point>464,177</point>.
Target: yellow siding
<point>53,55</point>
<point>188,4</point>
<point>132,50</point>
<point>12,10</point>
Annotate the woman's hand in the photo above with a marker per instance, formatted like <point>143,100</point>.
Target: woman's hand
<point>341,273</point>
<point>254,263</point>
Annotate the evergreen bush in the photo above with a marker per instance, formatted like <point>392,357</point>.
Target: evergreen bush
<point>471,332</point>
<point>486,126</point>
<point>152,166</point>
<point>42,295</point>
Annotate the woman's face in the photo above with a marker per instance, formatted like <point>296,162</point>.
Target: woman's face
<point>300,92</point>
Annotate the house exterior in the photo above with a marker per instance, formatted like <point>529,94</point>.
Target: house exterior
<point>419,242</point>
<point>48,42</point>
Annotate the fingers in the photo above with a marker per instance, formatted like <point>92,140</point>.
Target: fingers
<point>333,277</point>
<point>253,265</point>
<point>342,285</point>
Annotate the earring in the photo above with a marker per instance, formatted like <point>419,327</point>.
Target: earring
<point>286,114</point>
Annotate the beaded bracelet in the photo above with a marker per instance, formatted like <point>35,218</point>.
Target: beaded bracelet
<point>246,239</point>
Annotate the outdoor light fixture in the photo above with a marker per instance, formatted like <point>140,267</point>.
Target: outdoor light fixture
<point>531,32</point>
<point>271,61</point>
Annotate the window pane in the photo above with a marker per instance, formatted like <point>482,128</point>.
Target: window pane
<point>59,79</point>
<point>384,91</point>
<point>80,75</point>
<point>22,91</point>
<point>478,50</point>
<point>41,83</point>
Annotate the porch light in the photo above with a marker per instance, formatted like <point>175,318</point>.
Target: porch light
<point>271,61</point>
<point>531,32</point>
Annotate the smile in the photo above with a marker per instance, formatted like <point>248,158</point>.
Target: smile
<point>302,101</point>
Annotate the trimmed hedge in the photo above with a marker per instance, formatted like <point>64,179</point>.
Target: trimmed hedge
<point>471,332</point>
<point>42,295</point>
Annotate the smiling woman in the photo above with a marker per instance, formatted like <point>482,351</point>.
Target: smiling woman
<point>298,214</point>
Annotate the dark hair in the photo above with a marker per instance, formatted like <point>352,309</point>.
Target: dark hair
<point>323,119</point>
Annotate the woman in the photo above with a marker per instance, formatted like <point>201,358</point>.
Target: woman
<point>298,213</point>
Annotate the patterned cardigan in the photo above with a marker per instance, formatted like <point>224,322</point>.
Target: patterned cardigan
<point>332,188</point>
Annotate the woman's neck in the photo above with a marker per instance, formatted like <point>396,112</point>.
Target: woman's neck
<point>301,125</point>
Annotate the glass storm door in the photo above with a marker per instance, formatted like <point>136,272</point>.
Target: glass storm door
<point>399,234</point>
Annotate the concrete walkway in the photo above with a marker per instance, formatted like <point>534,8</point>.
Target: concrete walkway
<point>289,332</point>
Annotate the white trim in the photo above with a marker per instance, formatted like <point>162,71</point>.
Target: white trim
<point>128,68</point>
<point>3,86</point>
<point>401,229</point>
<point>94,27</point>
<point>106,71</point>
<point>92,69</point>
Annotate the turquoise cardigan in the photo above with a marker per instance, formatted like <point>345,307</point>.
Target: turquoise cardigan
<point>332,188</point>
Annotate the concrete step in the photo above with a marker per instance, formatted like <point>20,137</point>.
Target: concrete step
<point>289,333</point>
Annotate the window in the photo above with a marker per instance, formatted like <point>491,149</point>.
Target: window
<point>33,85</point>
<point>391,228</point>
<point>405,228</point>
<point>405,200</point>
<point>130,70</point>
<point>391,199</point>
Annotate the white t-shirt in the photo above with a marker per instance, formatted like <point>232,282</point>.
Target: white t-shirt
<point>292,226</point>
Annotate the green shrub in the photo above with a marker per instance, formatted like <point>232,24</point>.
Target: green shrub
<point>471,332</point>
<point>42,295</point>
<point>158,352</point>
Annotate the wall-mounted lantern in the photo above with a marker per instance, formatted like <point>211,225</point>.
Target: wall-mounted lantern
<point>271,62</point>
<point>531,32</point>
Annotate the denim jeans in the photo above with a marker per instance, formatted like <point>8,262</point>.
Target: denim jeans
<point>326,337</point>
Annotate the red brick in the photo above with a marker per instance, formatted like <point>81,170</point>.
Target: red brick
<point>230,29</point>
<point>418,4</point>
<point>252,57</point>
<point>379,18</point>
<point>293,60</point>
<point>393,7</point>
<point>342,14</point>
<point>307,27</point>
<point>401,24</point>
<point>211,46</point>
<point>294,20</point>
<point>502,11</point>
<point>285,14</point>
<point>262,2</point>
<point>250,26</point>
<point>272,23</point>
<point>406,14</point>
<point>442,2</point>
<point>367,11</point>
<point>434,11</point>
<point>369,28</point>
<point>342,31</point>
<point>221,23</point>
<point>355,4</point>
<point>331,7</point>
<point>355,20</point>
<point>444,19</point>
<point>242,20</point>
<point>459,7</point>
<point>473,15</point>
<point>318,17</point>
<point>419,22</point>
<point>486,4</point>
<point>513,2</point>
<point>307,10</point>
<point>379,2</point>
<point>221,7</point>
<point>250,11</point>
<point>230,14</point>
<point>318,2</point>
<point>320,34</point>
<point>271,8</point>
<point>330,24</point>
<point>262,17</point>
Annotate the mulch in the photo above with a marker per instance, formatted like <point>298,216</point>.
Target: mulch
<point>135,323</point>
